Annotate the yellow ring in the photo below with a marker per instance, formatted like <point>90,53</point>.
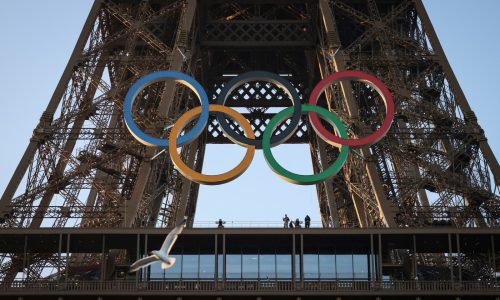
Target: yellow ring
<point>204,178</point>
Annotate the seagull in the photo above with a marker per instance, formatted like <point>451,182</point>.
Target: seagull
<point>162,254</point>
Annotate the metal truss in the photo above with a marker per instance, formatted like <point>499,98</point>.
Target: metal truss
<point>82,168</point>
<point>436,155</point>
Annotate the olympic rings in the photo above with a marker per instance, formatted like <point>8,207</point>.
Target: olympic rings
<point>203,178</point>
<point>268,139</point>
<point>270,77</point>
<point>374,83</point>
<point>298,178</point>
<point>146,80</point>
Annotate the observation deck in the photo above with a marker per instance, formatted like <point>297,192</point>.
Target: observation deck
<point>252,263</point>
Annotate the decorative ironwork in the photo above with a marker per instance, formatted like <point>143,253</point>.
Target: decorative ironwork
<point>83,169</point>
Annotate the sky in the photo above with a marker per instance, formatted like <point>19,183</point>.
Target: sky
<point>37,38</point>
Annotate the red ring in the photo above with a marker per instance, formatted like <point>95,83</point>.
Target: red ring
<point>360,76</point>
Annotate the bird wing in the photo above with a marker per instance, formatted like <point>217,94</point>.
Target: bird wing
<point>171,238</point>
<point>143,262</point>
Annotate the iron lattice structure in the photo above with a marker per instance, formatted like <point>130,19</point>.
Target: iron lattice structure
<point>82,168</point>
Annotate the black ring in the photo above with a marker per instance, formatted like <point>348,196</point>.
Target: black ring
<point>269,77</point>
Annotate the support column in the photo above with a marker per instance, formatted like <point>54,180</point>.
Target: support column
<point>25,257</point>
<point>371,263</point>
<point>68,244</point>
<point>380,271</point>
<point>223,261</point>
<point>328,184</point>
<point>294,262</point>
<point>301,261</point>
<point>148,269</point>
<point>459,261</point>
<point>164,107</point>
<point>386,213</point>
<point>450,254</point>
<point>103,258</point>
<point>492,239</point>
<point>415,265</point>
<point>457,91</point>
<point>137,256</point>
<point>51,107</point>
<point>360,210</point>
<point>186,185</point>
<point>59,254</point>
<point>216,267</point>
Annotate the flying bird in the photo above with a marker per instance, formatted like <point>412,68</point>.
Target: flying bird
<point>162,254</point>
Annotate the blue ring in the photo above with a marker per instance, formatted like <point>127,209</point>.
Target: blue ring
<point>148,79</point>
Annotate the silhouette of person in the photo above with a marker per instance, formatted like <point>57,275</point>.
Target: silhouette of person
<point>286,219</point>
<point>297,223</point>
<point>220,223</point>
<point>307,221</point>
<point>291,224</point>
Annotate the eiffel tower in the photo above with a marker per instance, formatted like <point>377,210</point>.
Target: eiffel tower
<point>83,169</point>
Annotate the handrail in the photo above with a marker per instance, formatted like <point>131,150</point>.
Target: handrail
<point>250,224</point>
<point>253,285</point>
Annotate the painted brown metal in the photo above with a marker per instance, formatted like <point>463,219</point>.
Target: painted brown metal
<point>435,149</point>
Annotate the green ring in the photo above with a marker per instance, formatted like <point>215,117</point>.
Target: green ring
<point>298,178</point>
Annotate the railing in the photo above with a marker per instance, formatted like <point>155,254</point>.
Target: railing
<point>250,224</point>
<point>310,286</point>
<point>259,285</point>
<point>338,286</point>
